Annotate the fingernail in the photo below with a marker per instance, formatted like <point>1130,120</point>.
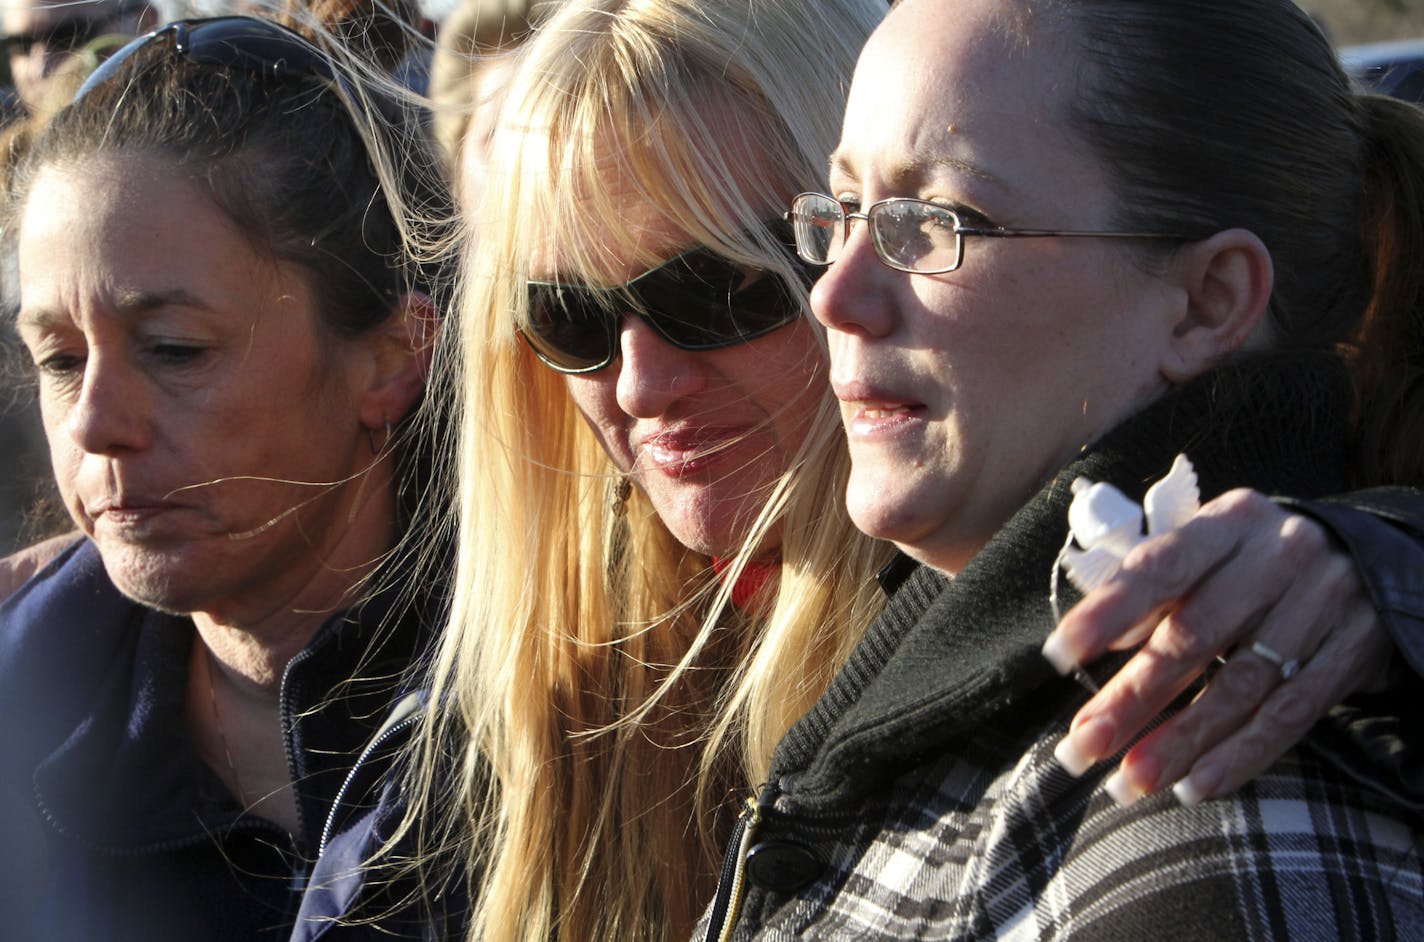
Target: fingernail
<point>1084,746</point>
<point>1198,786</point>
<point>1120,789</point>
<point>1055,649</point>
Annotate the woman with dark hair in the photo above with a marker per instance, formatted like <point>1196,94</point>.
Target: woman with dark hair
<point>222,297</point>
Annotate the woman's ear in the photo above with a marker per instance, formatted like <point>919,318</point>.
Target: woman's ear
<point>1227,280</point>
<point>401,351</point>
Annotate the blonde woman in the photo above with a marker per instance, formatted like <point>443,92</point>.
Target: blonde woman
<point>654,576</point>
<point>606,704</point>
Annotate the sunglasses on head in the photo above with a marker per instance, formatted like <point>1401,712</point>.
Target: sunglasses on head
<point>698,300</point>
<point>242,42</point>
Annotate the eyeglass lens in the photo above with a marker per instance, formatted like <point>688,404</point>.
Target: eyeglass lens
<point>567,331</point>
<point>915,236</point>
<point>911,235</point>
<point>819,226</point>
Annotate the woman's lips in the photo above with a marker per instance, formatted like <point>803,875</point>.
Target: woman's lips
<point>128,511</point>
<point>687,451</point>
<point>868,410</point>
<point>881,410</point>
<point>130,514</point>
<point>872,419</point>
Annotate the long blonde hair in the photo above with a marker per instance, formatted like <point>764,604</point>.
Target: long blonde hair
<point>597,694</point>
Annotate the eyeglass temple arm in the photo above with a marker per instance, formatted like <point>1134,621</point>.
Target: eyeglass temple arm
<point>999,233</point>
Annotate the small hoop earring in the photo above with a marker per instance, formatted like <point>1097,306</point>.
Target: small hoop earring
<point>371,439</point>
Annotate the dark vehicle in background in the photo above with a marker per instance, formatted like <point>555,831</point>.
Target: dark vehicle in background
<point>1392,68</point>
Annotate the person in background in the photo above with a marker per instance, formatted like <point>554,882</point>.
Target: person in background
<point>384,34</point>
<point>230,330</point>
<point>1062,248</point>
<point>45,37</point>
<point>469,65</point>
<point>654,581</point>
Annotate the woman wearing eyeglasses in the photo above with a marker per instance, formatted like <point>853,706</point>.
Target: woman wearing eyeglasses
<point>1060,247</point>
<point>655,578</point>
<point>229,329</point>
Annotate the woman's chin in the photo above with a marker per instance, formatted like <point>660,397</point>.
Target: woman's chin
<point>713,519</point>
<point>159,579</point>
<point>706,537</point>
<point>884,506</point>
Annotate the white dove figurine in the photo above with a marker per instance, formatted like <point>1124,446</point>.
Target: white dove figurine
<point>1105,524</point>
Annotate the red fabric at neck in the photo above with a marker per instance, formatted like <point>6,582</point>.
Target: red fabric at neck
<point>754,577</point>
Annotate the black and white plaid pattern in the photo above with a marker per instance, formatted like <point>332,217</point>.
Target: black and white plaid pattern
<point>972,846</point>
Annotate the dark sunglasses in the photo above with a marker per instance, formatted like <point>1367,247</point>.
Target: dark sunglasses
<point>242,42</point>
<point>698,300</point>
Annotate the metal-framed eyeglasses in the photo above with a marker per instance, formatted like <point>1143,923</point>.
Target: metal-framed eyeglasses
<point>910,235</point>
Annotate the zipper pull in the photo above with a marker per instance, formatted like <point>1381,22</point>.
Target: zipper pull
<point>731,884</point>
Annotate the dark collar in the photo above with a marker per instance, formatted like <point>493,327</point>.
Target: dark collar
<point>122,772</point>
<point>946,653</point>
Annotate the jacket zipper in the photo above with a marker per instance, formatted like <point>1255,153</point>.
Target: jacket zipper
<point>732,882</point>
<point>375,744</point>
<point>291,687</point>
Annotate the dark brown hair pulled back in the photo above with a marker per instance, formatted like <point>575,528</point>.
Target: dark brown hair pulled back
<point>287,160</point>
<point>339,179</point>
<point>1216,114</point>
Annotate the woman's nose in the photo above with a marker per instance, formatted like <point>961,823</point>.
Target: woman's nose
<point>653,373</point>
<point>850,296</point>
<point>110,414</point>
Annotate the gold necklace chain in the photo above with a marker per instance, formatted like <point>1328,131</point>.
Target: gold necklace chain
<point>222,733</point>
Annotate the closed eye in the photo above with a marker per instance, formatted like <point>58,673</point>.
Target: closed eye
<point>176,354</point>
<point>60,365</point>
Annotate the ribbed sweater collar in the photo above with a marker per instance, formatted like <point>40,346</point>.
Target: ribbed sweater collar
<point>947,653</point>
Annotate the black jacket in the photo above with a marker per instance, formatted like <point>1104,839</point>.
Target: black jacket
<point>347,897</point>
<point>117,830</point>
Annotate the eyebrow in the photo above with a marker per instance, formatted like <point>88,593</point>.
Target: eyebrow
<point>127,304</point>
<point>917,166</point>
